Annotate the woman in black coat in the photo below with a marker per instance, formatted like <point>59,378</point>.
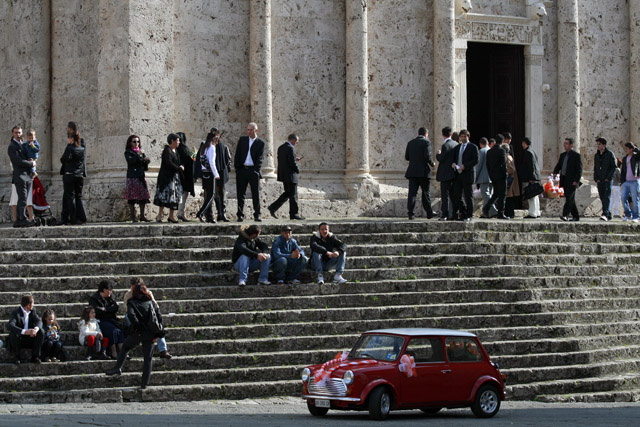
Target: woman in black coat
<point>136,190</point>
<point>169,189</point>
<point>72,172</point>
<point>106,309</point>
<point>186,179</point>
<point>146,328</point>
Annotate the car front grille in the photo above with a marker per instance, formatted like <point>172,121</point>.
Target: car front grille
<point>330,387</point>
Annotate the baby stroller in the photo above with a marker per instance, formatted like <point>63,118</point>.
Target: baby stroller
<point>41,210</point>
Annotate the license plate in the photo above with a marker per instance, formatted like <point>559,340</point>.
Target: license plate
<point>322,403</point>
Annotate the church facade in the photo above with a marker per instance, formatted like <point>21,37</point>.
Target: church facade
<point>354,79</point>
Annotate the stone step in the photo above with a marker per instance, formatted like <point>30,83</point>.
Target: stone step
<point>621,381</point>
<point>632,395</point>
<point>158,393</point>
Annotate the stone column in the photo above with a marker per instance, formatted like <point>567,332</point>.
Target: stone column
<point>634,72</point>
<point>260,77</point>
<point>444,79</point>
<point>533,56</point>
<point>357,96</point>
<point>461,85</point>
<point>569,76</point>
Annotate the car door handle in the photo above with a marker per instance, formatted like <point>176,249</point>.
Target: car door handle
<point>446,371</point>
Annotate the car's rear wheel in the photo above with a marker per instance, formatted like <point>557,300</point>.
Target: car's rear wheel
<point>430,410</point>
<point>487,402</point>
<point>379,404</point>
<point>315,411</point>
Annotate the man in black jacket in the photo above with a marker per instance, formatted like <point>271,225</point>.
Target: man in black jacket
<point>630,179</point>
<point>249,254</point>
<point>223,166</point>
<point>445,175</point>
<point>248,163</point>
<point>570,168</point>
<point>327,253</point>
<point>529,175</point>
<point>604,166</point>
<point>418,153</point>
<point>21,175</point>
<point>288,174</point>
<point>25,330</point>
<point>497,167</point>
<point>465,157</point>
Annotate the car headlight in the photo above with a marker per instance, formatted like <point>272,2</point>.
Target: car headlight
<point>348,377</point>
<point>306,373</point>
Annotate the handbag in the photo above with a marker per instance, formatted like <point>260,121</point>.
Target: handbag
<point>532,190</point>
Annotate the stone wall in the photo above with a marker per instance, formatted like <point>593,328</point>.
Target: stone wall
<point>153,67</point>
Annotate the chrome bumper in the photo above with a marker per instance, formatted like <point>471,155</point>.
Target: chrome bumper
<point>342,399</point>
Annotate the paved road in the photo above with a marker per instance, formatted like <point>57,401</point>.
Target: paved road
<point>288,411</point>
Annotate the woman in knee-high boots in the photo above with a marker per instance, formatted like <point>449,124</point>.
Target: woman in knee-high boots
<point>136,191</point>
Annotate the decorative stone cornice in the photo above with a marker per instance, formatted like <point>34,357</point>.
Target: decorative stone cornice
<point>498,29</point>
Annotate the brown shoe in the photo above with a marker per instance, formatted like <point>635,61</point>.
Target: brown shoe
<point>165,355</point>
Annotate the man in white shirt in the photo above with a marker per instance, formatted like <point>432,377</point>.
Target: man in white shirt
<point>25,330</point>
<point>248,162</point>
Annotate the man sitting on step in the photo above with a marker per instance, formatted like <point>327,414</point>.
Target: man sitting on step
<point>250,254</point>
<point>25,330</point>
<point>327,253</point>
<point>288,259</point>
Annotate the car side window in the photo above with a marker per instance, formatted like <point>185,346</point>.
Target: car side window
<point>462,350</point>
<point>425,350</point>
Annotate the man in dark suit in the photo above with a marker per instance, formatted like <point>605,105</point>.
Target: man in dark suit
<point>570,168</point>
<point>288,175</point>
<point>529,175</point>
<point>25,330</point>
<point>248,162</point>
<point>21,175</point>
<point>418,153</point>
<point>223,166</point>
<point>465,157</point>
<point>497,167</point>
<point>445,175</point>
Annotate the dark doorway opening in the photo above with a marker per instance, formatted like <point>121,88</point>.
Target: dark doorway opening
<point>495,92</point>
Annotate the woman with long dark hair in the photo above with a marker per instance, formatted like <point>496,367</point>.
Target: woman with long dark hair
<point>146,328</point>
<point>186,178</point>
<point>72,171</point>
<point>169,189</point>
<point>207,156</point>
<point>136,190</point>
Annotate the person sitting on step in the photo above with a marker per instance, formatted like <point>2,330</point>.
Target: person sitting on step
<point>249,254</point>
<point>52,349</point>
<point>91,335</point>
<point>162,343</point>
<point>25,330</point>
<point>327,252</point>
<point>288,259</point>
<point>106,309</point>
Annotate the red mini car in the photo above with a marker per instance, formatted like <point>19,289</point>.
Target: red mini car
<point>391,369</point>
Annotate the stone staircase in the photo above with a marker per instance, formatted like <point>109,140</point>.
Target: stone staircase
<point>556,305</point>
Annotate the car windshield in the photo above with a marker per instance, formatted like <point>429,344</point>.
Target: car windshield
<point>379,347</point>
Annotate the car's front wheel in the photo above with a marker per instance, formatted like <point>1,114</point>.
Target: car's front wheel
<point>487,402</point>
<point>379,404</point>
<point>315,411</point>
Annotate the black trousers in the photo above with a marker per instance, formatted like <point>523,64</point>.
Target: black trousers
<point>498,197</point>
<point>459,188</point>
<point>52,349</point>
<point>445,195</point>
<point>246,177</point>
<point>22,190</point>
<point>290,193</point>
<point>424,184</point>
<point>209,186</point>
<point>16,342</point>
<point>604,191</point>
<point>570,202</point>
<point>147,352</point>
<point>219,198</point>
<point>72,207</point>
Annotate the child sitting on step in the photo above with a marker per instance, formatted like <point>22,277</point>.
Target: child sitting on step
<point>52,346</point>
<point>91,335</point>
